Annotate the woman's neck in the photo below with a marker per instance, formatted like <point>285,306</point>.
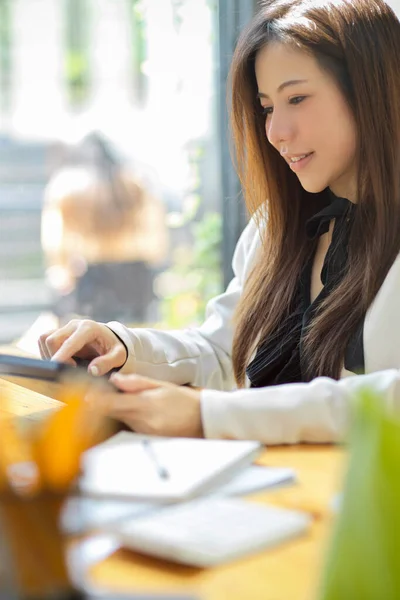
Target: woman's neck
<point>346,190</point>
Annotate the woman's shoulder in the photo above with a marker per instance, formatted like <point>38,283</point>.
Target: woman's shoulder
<point>68,182</point>
<point>250,242</point>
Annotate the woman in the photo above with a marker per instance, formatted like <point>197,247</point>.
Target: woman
<point>316,120</point>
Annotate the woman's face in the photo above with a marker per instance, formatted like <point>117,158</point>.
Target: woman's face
<point>307,119</point>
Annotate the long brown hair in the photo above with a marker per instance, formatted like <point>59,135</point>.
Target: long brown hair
<point>358,42</point>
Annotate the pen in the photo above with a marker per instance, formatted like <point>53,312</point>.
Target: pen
<point>161,470</point>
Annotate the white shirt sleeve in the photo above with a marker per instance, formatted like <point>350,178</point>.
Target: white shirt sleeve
<point>199,356</point>
<point>292,413</point>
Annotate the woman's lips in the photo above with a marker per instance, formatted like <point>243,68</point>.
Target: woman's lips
<point>298,165</point>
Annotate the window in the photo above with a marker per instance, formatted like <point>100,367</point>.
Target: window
<point>143,76</point>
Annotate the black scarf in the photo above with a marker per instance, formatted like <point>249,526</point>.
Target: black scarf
<point>280,358</point>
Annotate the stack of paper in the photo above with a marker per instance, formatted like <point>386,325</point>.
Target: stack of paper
<point>163,469</point>
<point>142,476</point>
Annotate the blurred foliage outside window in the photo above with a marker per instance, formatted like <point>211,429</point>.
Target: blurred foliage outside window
<point>76,54</point>
<point>138,26</point>
<point>195,275</point>
<point>77,62</point>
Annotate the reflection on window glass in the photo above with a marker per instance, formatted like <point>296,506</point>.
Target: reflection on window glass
<point>109,163</point>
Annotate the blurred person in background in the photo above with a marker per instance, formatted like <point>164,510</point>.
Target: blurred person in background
<point>103,236</point>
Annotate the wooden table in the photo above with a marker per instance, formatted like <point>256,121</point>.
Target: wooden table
<point>289,572</point>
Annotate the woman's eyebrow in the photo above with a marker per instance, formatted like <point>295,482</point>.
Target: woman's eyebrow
<point>284,85</point>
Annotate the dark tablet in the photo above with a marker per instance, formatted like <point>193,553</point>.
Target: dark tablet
<point>47,370</point>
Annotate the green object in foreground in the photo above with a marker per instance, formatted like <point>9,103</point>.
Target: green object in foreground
<point>364,557</point>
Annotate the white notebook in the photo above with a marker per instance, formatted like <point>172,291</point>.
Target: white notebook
<point>158,469</point>
<point>209,531</point>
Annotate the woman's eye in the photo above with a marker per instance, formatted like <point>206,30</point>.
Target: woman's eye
<point>267,110</point>
<point>297,99</point>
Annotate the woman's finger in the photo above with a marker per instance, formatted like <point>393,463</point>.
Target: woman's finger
<point>115,357</point>
<point>71,339</point>
<point>44,353</point>
<point>58,343</point>
<point>134,383</point>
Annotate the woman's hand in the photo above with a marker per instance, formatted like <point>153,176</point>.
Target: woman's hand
<point>152,407</point>
<point>86,340</point>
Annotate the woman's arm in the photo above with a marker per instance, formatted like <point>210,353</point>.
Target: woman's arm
<point>318,411</point>
<point>200,356</point>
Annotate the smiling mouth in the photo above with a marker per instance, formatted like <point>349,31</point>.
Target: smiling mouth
<point>297,163</point>
<point>295,159</point>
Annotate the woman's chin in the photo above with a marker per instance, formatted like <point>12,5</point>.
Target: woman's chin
<point>313,187</point>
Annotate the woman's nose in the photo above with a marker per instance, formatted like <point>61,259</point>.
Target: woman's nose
<point>279,129</point>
